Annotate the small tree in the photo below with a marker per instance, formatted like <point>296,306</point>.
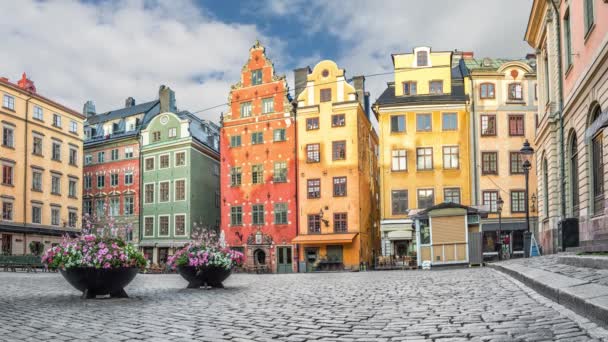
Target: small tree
<point>36,248</point>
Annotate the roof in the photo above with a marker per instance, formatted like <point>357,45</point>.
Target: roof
<point>122,112</point>
<point>312,239</point>
<point>492,64</point>
<point>447,205</point>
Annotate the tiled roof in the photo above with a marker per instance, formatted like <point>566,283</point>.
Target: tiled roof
<point>121,113</point>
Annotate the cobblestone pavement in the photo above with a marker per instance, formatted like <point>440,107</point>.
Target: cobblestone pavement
<point>439,305</point>
<point>549,263</point>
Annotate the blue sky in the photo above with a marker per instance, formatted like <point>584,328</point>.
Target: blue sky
<point>106,51</point>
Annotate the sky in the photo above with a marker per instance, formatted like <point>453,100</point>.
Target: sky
<point>106,51</point>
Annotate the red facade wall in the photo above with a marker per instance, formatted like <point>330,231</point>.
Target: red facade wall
<point>266,153</point>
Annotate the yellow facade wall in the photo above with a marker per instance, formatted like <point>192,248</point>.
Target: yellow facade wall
<point>439,69</point>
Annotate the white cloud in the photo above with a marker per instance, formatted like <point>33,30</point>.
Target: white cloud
<point>107,52</point>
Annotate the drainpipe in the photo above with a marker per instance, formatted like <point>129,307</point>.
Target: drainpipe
<point>474,199</point>
<point>295,119</point>
<point>25,193</point>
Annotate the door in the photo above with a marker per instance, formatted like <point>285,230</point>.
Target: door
<point>284,260</point>
<point>7,244</point>
<point>312,255</point>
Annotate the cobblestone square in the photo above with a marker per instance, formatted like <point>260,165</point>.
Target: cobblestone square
<point>439,305</point>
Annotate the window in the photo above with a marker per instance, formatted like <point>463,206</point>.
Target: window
<point>88,182</point>
<point>129,205</point>
<point>280,172</point>
<point>516,163</point>
<point>314,224</point>
<point>163,161</point>
<point>339,186</point>
<point>597,155</point>
<point>114,206</point>
<point>216,169</point>
<point>450,157</point>
<point>340,223</point>
<point>73,126</point>
<point>148,226</point>
<point>436,87</point>
<point>489,163</point>
<point>101,157</point>
<point>163,225</point>
<point>451,195</point>
<point>546,77</point>
<point>156,136</point>
<point>279,134</point>
<point>399,160</point>
<point>245,109</point>
<point>422,58</point>
<point>490,199</point>
<point>338,120</point>
<point>574,176</point>
<point>180,158</point>
<point>57,120</point>
<point>280,213</point>
<point>338,150</point>
<point>7,174</point>
<point>56,152</point>
<point>516,125</point>
<point>424,158</point>
<point>55,185</point>
<point>236,216</point>
<point>88,159</point>
<point>129,178</point>
<point>488,125</point>
<point>100,208</point>
<point>9,102</point>
<point>7,211</point>
<point>37,146</point>
<point>325,95</point>
<point>72,219</point>
<point>409,88</point>
<point>38,113</point>
<point>313,187</point>
<point>101,181</point>
<point>257,174</point>
<point>423,122</point>
<point>257,138</point>
<point>36,214</point>
<point>72,188</point>
<point>518,201</point>
<point>87,206</point>
<point>8,137</point>
<point>312,153</point>
<point>268,105</point>
<point>235,141</point>
<point>180,224</point>
<point>545,171</point>
<point>37,180</point>
<point>180,190</point>
<point>567,40</point>
<point>399,202</point>
<point>486,91</point>
<point>114,179</point>
<point>235,176</point>
<point>449,122</point>
<point>257,214</point>
<point>55,216</point>
<point>73,158</point>
<point>397,123</point>
<point>589,20</point>
<point>128,152</point>
<point>163,189</point>
<point>172,132</point>
<point>149,193</point>
<point>426,198</point>
<point>312,123</point>
<point>256,77</point>
<point>150,164</point>
<point>515,92</point>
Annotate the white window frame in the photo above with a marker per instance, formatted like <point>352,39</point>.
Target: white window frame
<point>73,126</point>
<point>185,224</point>
<point>125,178</point>
<point>172,132</point>
<point>168,195</point>
<point>175,189</point>
<point>168,225</point>
<point>153,194</point>
<point>153,225</point>
<point>53,208</point>
<point>175,158</point>
<point>38,113</point>
<point>153,165</point>
<point>39,206</point>
<point>160,167</point>
<point>128,150</point>
<point>8,102</point>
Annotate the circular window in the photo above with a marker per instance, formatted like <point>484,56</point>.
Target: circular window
<point>164,119</point>
<point>325,73</point>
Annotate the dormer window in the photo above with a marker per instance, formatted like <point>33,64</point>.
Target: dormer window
<point>409,88</point>
<point>422,58</point>
<point>256,77</point>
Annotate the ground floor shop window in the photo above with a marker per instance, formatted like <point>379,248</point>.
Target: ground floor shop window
<point>518,240</point>
<point>163,254</point>
<point>489,242</point>
<point>148,253</point>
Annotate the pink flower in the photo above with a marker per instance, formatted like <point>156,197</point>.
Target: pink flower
<point>107,265</point>
<point>108,256</point>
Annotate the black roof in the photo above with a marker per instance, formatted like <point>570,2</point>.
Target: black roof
<point>448,205</point>
<point>122,112</point>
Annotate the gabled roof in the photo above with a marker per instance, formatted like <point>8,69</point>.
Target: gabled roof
<point>122,112</point>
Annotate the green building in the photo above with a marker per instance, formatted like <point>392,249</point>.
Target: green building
<point>180,184</point>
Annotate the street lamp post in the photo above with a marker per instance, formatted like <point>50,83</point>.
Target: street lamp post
<point>499,203</point>
<point>527,151</point>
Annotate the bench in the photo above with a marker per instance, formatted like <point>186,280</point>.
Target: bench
<point>24,262</point>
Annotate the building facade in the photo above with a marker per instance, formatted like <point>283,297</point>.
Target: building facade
<point>337,171</point>
<point>425,140</point>
<point>41,159</point>
<point>258,175</point>
<point>180,179</point>
<point>111,179</point>
<point>504,104</point>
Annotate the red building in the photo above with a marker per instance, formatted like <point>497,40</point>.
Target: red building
<point>258,168</point>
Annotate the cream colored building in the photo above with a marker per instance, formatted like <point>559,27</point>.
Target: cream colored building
<point>41,159</point>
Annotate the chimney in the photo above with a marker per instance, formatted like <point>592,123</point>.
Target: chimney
<point>467,54</point>
<point>300,80</point>
<point>530,56</point>
<point>88,109</point>
<point>359,84</point>
<point>167,99</point>
<point>26,84</point>
<point>129,102</point>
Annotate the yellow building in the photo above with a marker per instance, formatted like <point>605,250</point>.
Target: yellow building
<point>337,171</point>
<point>41,158</point>
<point>424,142</point>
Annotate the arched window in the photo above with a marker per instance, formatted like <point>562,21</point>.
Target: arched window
<point>597,166</point>
<point>574,175</point>
<point>545,187</point>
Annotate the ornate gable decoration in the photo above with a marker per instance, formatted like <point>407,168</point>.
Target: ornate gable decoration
<point>259,238</point>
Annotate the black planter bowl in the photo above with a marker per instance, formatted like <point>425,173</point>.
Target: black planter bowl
<point>208,275</point>
<point>100,281</point>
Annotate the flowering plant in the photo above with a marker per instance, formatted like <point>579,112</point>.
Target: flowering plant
<point>206,250</point>
<point>102,247</point>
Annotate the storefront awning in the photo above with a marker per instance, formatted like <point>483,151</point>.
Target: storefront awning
<point>400,235</point>
<point>314,239</point>
<point>386,226</point>
<point>493,227</point>
<point>170,243</point>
